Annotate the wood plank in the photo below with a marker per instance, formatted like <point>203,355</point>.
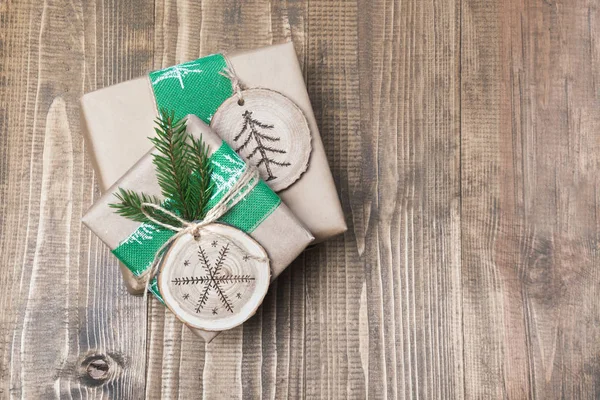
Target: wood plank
<point>529,188</point>
<point>68,327</point>
<point>384,302</point>
<point>334,274</point>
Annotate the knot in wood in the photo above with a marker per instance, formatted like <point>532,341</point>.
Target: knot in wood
<point>96,369</point>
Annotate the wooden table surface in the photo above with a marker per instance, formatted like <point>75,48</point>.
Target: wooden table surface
<point>463,136</point>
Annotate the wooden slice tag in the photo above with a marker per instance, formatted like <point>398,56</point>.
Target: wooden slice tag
<point>269,131</point>
<point>216,282</point>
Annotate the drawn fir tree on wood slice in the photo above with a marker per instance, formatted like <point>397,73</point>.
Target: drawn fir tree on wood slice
<point>254,131</point>
<point>215,282</point>
<point>269,131</point>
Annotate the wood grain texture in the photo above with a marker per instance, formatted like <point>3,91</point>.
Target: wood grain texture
<point>462,135</point>
<point>529,199</point>
<point>68,328</point>
<point>384,151</point>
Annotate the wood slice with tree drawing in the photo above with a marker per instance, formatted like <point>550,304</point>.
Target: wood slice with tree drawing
<point>216,281</point>
<point>269,131</point>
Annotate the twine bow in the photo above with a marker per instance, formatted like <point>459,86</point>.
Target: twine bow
<point>244,185</point>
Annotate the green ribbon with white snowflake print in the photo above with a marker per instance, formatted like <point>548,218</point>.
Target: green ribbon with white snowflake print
<point>195,87</point>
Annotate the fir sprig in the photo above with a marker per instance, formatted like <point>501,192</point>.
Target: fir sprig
<point>130,206</point>
<point>183,171</point>
<point>201,187</point>
<point>173,163</point>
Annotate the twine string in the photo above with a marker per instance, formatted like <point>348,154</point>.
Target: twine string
<point>229,73</point>
<point>244,184</point>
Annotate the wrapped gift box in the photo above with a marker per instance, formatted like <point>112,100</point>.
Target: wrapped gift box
<point>279,232</point>
<point>118,119</point>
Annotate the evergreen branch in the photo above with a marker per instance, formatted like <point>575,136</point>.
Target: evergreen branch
<point>173,164</point>
<point>130,206</point>
<point>183,172</point>
<point>201,185</point>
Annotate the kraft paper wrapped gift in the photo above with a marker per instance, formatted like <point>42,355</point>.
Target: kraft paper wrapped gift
<point>278,231</point>
<point>118,119</point>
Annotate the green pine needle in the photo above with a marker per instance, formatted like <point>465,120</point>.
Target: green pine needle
<point>183,171</point>
<point>173,163</point>
<point>130,206</point>
<point>201,184</point>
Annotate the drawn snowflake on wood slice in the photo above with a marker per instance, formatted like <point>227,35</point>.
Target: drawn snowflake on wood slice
<point>214,287</point>
<point>269,131</point>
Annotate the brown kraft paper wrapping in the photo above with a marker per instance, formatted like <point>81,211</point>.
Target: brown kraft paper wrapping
<point>118,119</point>
<point>281,234</point>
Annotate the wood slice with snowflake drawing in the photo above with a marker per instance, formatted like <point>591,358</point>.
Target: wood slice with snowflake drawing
<point>215,282</point>
<point>269,131</point>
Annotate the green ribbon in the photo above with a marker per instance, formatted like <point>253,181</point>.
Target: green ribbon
<point>138,251</point>
<point>195,87</point>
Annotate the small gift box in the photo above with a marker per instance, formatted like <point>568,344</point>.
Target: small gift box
<point>255,100</point>
<point>257,212</point>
